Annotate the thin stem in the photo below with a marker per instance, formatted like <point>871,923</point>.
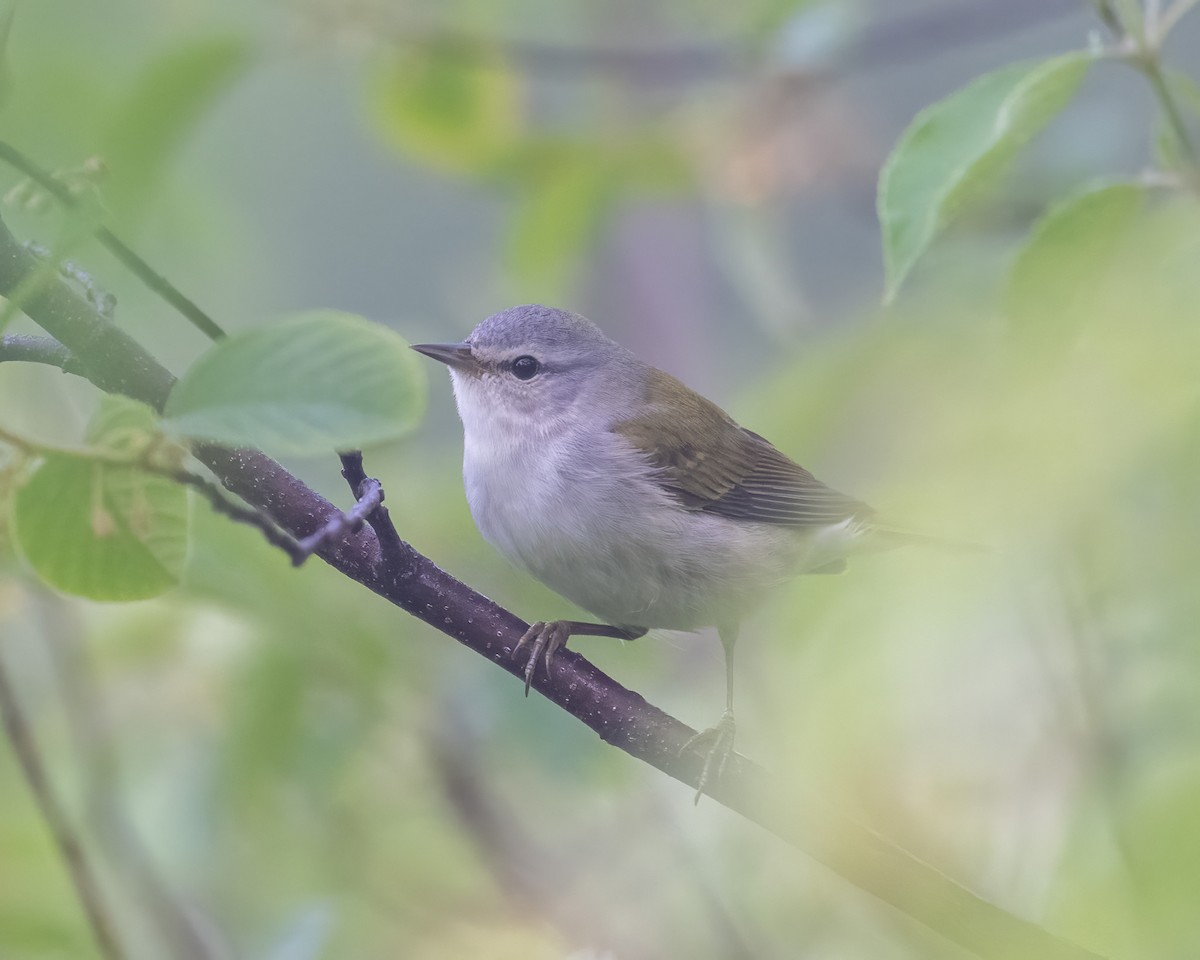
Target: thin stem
<point>1170,19</point>
<point>370,496</point>
<point>21,443</point>
<point>276,537</point>
<point>116,246</point>
<point>45,350</point>
<point>143,461</point>
<point>1152,68</point>
<point>395,552</point>
<point>70,847</point>
<point>1142,37</point>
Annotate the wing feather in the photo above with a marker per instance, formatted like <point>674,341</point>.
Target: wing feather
<point>709,463</point>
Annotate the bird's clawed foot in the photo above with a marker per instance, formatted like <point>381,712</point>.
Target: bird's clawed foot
<point>716,744</point>
<point>547,637</point>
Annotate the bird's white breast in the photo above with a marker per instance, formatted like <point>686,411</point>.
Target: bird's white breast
<point>575,505</point>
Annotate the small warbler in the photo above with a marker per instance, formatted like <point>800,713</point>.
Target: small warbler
<point>630,494</point>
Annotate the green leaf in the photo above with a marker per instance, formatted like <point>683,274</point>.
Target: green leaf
<point>315,382</point>
<point>122,425</point>
<point>955,148</point>
<point>103,531</point>
<point>166,103</point>
<point>452,112</point>
<point>1058,277</point>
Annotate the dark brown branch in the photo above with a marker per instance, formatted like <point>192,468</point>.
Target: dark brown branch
<point>70,847</point>
<point>370,496</point>
<point>621,717</point>
<point>221,504</point>
<point>390,544</point>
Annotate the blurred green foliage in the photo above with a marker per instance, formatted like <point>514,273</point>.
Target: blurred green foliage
<point>303,771</point>
<point>956,147</point>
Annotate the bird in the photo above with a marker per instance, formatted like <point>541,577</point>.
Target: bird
<point>632,495</point>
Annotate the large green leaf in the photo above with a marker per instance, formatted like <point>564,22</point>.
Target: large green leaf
<point>1059,275</point>
<point>315,382</point>
<point>955,147</point>
<point>103,531</point>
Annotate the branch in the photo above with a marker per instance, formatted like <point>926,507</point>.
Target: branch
<point>45,350</point>
<point>1151,65</point>
<point>297,550</point>
<point>369,500</point>
<point>390,544</point>
<point>1171,16</point>
<point>621,717</point>
<point>1141,47</point>
<point>370,496</point>
<point>236,512</point>
<point>70,847</point>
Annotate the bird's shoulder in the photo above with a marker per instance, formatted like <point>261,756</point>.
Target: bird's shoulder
<point>708,462</point>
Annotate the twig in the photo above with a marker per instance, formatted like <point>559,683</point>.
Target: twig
<point>235,511</point>
<point>369,499</point>
<point>393,548</point>
<point>1142,48</point>
<point>119,249</point>
<point>619,716</point>
<point>1171,17</point>
<point>370,496</point>
<point>70,847</point>
<point>1151,66</point>
<point>296,551</point>
<point>45,350</point>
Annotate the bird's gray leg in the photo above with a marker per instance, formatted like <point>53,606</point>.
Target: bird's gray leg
<point>550,636</point>
<point>718,739</point>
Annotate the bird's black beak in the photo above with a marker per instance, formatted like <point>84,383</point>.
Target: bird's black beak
<point>456,355</point>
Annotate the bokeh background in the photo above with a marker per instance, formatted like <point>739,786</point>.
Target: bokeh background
<point>274,764</point>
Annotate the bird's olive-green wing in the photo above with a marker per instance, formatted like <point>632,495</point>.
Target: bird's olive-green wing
<point>710,463</point>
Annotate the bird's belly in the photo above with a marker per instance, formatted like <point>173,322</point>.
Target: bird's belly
<point>626,551</point>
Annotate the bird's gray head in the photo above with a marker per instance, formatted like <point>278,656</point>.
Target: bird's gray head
<point>530,364</point>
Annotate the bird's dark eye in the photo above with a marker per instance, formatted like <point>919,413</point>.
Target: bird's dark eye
<point>525,368</point>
